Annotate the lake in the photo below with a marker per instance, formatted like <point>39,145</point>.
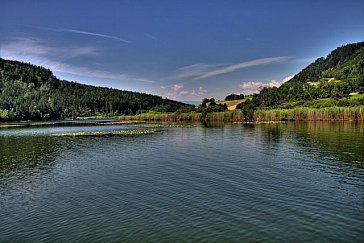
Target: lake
<point>285,182</point>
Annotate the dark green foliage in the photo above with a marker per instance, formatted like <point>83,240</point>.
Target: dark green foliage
<point>234,97</point>
<point>209,105</point>
<point>207,102</point>
<point>29,92</point>
<point>248,107</point>
<point>268,97</point>
<point>335,76</point>
<point>342,63</point>
<point>185,109</point>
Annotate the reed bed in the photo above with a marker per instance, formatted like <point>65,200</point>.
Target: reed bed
<point>355,113</point>
<point>311,114</point>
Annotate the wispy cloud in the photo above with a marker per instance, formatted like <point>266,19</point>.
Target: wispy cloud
<point>36,52</point>
<point>203,71</point>
<point>145,80</point>
<point>82,32</point>
<point>62,67</point>
<point>194,70</point>
<point>24,46</point>
<point>84,71</point>
<point>32,46</point>
<point>232,68</point>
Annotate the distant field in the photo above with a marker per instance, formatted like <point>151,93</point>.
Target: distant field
<point>358,96</point>
<point>231,103</point>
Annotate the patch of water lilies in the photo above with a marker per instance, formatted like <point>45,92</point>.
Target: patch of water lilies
<point>103,133</point>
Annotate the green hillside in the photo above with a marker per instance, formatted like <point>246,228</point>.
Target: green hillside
<point>29,92</point>
<point>336,76</point>
<point>344,63</point>
<point>340,73</point>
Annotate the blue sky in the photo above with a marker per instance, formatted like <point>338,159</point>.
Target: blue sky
<point>184,50</point>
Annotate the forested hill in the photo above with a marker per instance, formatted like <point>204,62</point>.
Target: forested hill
<point>344,63</point>
<point>336,76</point>
<point>29,92</point>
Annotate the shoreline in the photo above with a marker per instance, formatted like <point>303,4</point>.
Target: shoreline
<point>355,114</point>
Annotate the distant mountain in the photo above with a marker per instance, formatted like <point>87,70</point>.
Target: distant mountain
<point>29,92</point>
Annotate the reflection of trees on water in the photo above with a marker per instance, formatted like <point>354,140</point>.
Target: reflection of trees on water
<point>18,153</point>
<point>213,124</point>
<point>341,140</point>
<point>273,133</point>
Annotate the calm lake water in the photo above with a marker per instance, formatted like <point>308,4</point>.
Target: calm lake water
<point>294,182</point>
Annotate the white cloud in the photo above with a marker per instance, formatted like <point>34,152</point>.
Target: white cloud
<point>93,34</point>
<point>177,91</point>
<point>255,87</point>
<point>177,87</point>
<point>286,79</point>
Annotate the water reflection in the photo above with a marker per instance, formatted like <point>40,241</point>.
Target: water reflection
<point>343,140</point>
<point>252,182</point>
<point>210,123</point>
<point>22,153</point>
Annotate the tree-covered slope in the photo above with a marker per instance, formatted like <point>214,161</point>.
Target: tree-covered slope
<point>344,63</point>
<point>336,76</point>
<point>341,72</point>
<point>32,92</point>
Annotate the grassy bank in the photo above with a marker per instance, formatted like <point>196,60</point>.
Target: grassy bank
<point>296,114</point>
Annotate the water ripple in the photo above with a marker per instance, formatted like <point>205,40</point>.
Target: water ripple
<point>273,183</point>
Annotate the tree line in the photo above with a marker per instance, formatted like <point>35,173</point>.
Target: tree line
<point>29,92</point>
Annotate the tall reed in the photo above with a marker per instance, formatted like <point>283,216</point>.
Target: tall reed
<point>311,114</point>
<point>296,114</point>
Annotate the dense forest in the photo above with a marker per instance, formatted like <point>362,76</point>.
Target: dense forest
<point>29,92</point>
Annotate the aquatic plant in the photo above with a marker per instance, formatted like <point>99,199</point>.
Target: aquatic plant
<point>104,133</point>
